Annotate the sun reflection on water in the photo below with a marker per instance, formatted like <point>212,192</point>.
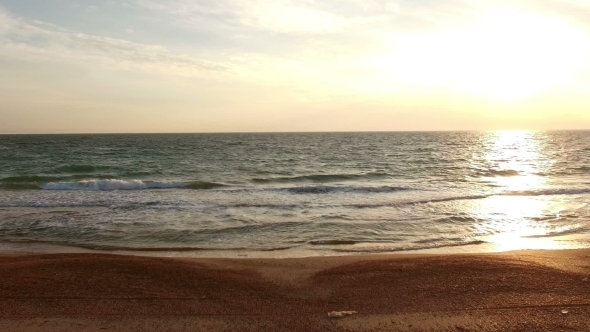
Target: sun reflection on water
<point>513,219</point>
<point>514,160</point>
<point>518,222</point>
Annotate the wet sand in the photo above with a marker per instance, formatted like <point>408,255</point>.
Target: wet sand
<point>516,291</point>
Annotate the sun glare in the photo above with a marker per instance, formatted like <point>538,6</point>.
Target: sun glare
<point>512,219</point>
<point>514,158</point>
<point>505,55</point>
<point>516,223</point>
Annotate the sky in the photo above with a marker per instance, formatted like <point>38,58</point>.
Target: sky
<point>81,66</point>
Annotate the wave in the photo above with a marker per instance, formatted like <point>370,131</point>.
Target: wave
<point>107,247</point>
<point>29,179</point>
<point>332,242</point>
<point>321,178</point>
<point>341,246</point>
<point>568,231</point>
<point>503,172</point>
<point>331,189</point>
<point>96,182</point>
<point>139,205</point>
<point>107,182</point>
<point>114,184</point>
<point>111,205</point>
<point>53,205</point>
<point>426,201</point>
<point>20,186</point>
<point>547,192</point>
<point>102,247</point>
<point>383,249</point>
<point>450,199</point>
<point>203,185</point>
<point>96,185</point>
<point>26,181</point>
<point>540,192</point>
<point>38,181</point>
<point>80,169</point>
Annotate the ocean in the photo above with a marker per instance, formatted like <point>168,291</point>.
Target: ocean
<point>295,194</point>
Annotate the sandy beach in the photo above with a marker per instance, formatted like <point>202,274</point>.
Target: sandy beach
<point>516,291</point>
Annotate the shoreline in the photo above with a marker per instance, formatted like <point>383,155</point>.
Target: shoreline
<point>480,247</point>
<point>510,291</point>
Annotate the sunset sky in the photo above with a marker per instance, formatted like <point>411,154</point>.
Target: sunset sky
<point>81,66</point>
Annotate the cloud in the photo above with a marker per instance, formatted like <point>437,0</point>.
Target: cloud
<point>284,17</point>
<point>201,14</point>
<point>41,42</point>
<point>304,29</point>
<point>275,16</point>
<point>6,21</point>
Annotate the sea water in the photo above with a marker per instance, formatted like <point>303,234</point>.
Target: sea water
<point>295,194</point>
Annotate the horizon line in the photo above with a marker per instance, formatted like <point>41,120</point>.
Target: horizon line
<point>292,132</point>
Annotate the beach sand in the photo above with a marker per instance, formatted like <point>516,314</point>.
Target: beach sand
<point>516,291</point>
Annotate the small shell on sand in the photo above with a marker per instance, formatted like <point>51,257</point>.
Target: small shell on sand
<point>340,314</point>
